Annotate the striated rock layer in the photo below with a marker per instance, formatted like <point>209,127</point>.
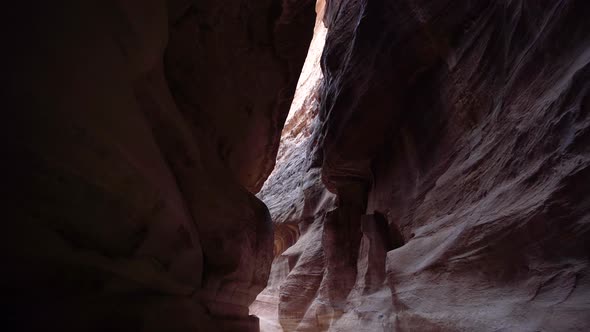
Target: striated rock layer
<point>135,134</point>
<point>455,136</point>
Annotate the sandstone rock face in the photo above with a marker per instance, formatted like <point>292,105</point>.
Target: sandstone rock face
<point>251,51</point>
<point>455,137</point>
<point>298,203</point>
<point>136,133</point>
<point>432,177</point>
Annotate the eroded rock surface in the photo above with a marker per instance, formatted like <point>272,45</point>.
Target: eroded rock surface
<point>136,134</point>
<point>433,177</point>
<point>455,137</point>
<point>298,203</point>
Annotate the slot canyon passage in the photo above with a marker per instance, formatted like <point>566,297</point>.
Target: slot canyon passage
<point>433,173</point>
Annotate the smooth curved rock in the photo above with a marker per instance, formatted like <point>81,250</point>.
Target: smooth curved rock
<point>131,208</point>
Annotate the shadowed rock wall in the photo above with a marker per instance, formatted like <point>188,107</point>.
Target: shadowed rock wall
<point>135,134</point>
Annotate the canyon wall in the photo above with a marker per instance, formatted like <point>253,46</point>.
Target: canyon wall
<point>455,137</point>
<point>432,177</point>
<point>135,134</point>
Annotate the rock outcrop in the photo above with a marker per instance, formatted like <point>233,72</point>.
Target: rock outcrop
<point>455,137</point>
<point>135,135</point>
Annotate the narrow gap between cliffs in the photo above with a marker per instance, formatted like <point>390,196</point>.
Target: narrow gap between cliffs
<point>283,191</point>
